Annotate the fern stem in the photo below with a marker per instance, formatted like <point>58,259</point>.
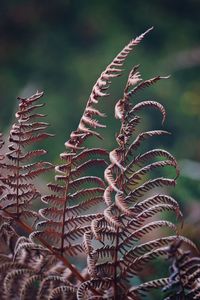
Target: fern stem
<point>17,171</point>
<point>64,208</point>
<point>120,179</point>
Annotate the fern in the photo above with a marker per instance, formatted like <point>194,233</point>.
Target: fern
<point>129,207</point>
<point>67,217</point>
<point>111,222</point>
<point>19,191</point>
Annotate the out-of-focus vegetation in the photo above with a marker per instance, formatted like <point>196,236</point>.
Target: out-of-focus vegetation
<point>62,46</point>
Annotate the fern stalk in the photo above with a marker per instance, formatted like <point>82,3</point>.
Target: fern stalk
<point>64,209</point>
<point>18,165</point>
<point>122,154</point>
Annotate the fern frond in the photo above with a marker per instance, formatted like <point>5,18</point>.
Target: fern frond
<point>28,286</point>
<point>127,219</point>
<point>149,227</point>
<point>141,137</point>
<point>89,153</point>
<point>20,190</point>
<point>77,171</point>
<point>149,103</point>
<point>155,153</point>
<point>137,175</point>
<point>145,84</point>
<point>143,288</point>
<point>78,160</point>
<point>85,288</point>
<point>86,180</point>
<point>66,292</point>
<point>147,186</point>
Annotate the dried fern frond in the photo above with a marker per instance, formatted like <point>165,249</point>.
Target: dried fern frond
<point>131,203</point>
<point>63,226</point>
<point>19,172</point>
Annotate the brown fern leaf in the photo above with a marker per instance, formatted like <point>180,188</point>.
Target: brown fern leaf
<point>137,264</point>
<point>155,200</point>
<point>78,161</point>
<point>143,288</point>
<point>155,153</point>
<point>147,186</point>
<point>141,249</point>
<point>127,219</point>
<point>84,291</point>
<point>86,180</point>
<point>136,234</point>
<point>141,137</point>
<point>20,192</point>
<point>52,286</point>
<point>137,175</point>
<point>145,84</point>
<point>80,157</point>
<point>66,292</point>
<point>149,103</point>
<point>112,70</point>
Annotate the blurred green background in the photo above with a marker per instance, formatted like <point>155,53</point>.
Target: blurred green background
<point>62,46</point>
